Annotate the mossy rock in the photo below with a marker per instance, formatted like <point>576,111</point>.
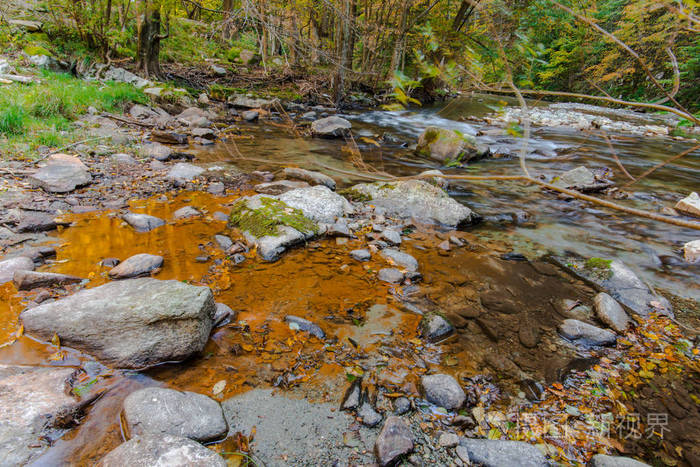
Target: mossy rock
<point>268,217</point>
<point>33,50</point>
<point>447,146</point>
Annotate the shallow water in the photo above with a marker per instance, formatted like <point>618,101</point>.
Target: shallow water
<point>372,331</point>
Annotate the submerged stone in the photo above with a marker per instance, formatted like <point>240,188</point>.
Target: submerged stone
<point>447,146</point>
<point>142,222</point>
<point>314,178</point>
<point>135,266</point>
<point>331,127</point>
<point>301,324</point>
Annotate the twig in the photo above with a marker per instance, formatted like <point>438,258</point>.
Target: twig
<point>127,120</point>
<point>614,153</point>
<point>70,146</point>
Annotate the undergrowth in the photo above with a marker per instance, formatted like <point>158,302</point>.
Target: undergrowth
<point>41,114</point>
<point>266,220</point>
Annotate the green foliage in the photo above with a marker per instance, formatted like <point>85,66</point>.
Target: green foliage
<point>598,263</point>
<point>32,50</point>
<point>267,219</point>
<point>12,119</point>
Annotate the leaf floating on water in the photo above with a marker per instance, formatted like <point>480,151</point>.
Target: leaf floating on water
<point>369,141</point>
<point>55,340</point>
<point>20,331</point>
<point>219,387</point>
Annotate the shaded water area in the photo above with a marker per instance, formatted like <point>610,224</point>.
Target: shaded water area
<point>505,311</point>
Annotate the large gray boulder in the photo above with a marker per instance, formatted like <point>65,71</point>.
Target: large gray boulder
<point>33,402</point>
<point>501,453</point>
<point>318,203</point>
<point>444,391</point>
<point>162,411</point>
<point>129,324</point>
<point>331,127</point>
<point>161,450</point>
<point>446,146</point>
<point>8,267</point>
<point>419,200</point>
<point>61,174</point>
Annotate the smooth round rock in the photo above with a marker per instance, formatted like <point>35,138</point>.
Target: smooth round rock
<point>170,412</point>
<point>443,391</point>
<point>135,266</point>
<point>156,451</point>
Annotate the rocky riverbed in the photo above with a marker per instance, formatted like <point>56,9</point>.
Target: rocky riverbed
<point>161,306</point>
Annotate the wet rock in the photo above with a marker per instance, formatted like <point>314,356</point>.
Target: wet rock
<point>529,333</point>
<point>186,212</point>
<point>339,229</point>
<point>168,137</point>
<point>310,115</point>
<point>250,115</point>
<point>204,133</point>
<point>157,151</point>
<point>318,203</point>
<point>572,309</point>
<point>585,333</point>
<point>161,411</point>
<point>136,266</point>
<point>278,187</point>
<point>110,262</point>
<point>8,267</point>
<point>533,389</point>
<point>33,402</point>
<point>691,251</point>
<point>500,453</point>
<point>400,259</point>
<point>183,172</point>
<point>331,127</point>
<point>581,179</point>
<point>443,391</point>
<point>621,283</point>
<point>610,312</point>
<point>38,222</point>
<point>223,241</point>
<point>446,146</point>
<point>361,255</point>
<point>390,275</point>
<point>402,405</point>
<point>353,395</point>
<point>448,440</point>
<point>601,460</point>
<point>314,178</point>
<point>419,200</point>
<point>305,325</point>
<point>142,222</point>
<point>435,328</point>
<point>160,450</point>
<point>28,280</point>
<point>61,174</point>
<point>129,324</point>
<point>224,314</point>
<point>252,103</point>
<point>690,205</point>
<point>368,415</point>
<point>391,236</point>
<point>394,441</point>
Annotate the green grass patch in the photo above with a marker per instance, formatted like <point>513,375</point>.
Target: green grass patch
<point>41,114</point>
<point>267,219</point>
<point>598,263</point>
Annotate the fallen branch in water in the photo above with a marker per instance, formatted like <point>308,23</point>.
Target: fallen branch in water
<point>661,164</point>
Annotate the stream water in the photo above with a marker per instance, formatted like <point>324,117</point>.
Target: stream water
<point>374,333</point>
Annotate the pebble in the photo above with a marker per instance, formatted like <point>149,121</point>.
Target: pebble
<point>361,255</point>
<point>391,236</point>
<point>402,405</point>
<point>369,416</point>
<point>610,312</point>
<point>448,440</point>
<point>443,391</point>
<point>135,266</point>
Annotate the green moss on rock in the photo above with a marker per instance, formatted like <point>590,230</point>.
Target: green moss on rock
<point>266,220</point>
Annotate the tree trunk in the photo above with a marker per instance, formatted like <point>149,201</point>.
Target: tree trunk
<point>399,41</point>
<point>148,45</point>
